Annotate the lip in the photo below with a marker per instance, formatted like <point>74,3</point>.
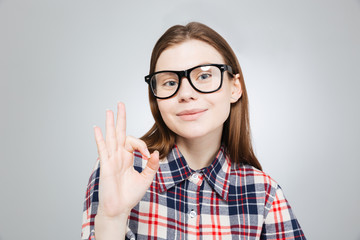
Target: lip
<point>191,114</point>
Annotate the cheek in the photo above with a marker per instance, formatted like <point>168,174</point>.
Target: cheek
<point>224,111</point>
<point>223,105</point>
<point>164,109</point>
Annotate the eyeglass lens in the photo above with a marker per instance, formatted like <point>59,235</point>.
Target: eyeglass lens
<point>204,79</point>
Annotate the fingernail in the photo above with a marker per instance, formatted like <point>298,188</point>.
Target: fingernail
<point>148,153</point>
<point>94,126</point>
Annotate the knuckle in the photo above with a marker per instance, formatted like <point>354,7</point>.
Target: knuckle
<point>131,138</point>
<point>138,141</point>
<point>142,142</point>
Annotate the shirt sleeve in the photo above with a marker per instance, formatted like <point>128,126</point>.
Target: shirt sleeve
<point>280,222</point>
<point>91,203</point>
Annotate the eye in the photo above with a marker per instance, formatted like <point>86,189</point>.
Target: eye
<point>204,76</point>
<point>166,80</point>
<point>169,83</point>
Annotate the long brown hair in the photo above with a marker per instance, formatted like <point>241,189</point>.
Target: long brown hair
<point>236,136</point>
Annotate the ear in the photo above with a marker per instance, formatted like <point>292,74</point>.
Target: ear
<point>236,91</point>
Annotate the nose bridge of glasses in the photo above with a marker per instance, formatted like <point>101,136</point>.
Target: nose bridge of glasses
<point>185,75</point>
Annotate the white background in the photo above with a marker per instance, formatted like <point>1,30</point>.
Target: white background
<point>63,63</point>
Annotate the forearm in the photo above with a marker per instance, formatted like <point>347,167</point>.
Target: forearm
<point>110,228</point>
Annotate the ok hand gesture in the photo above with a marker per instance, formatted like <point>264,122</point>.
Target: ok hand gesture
<point>121,186</point>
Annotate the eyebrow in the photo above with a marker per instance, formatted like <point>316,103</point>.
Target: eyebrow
<point>201,63</point>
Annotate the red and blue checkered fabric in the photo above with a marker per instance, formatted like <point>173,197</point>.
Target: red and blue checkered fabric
<point>222,201</point>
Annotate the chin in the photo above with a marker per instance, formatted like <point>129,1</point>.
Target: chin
<point>188,132</point>
<point>194,133</point>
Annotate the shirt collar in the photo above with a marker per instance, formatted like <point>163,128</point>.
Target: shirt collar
<point>174,169</point>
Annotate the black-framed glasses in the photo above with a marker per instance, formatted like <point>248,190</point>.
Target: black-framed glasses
<point>206,78</point>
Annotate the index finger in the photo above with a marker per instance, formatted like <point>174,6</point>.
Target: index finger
<point>121,124</point>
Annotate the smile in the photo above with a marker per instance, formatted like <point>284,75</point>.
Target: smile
<point>191,115</point>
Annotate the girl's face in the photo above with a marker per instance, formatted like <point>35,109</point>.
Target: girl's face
<point>191,114</point>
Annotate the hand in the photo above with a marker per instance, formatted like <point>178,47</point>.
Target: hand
<point>121,186</point>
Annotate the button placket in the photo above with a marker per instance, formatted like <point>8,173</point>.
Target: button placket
<point>193,201</point>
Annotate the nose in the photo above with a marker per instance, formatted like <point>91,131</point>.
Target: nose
<point>186,92</point>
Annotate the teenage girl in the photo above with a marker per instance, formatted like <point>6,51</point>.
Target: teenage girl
<point>194,174</point>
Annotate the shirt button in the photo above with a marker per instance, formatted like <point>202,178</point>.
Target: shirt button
<point>192,214</point>
<point>195,176</point>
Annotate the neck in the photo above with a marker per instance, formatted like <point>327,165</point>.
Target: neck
<point>199,152</point>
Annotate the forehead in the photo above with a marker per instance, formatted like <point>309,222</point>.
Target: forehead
<point>186,55</point>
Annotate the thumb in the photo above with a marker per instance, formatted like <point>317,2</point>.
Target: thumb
<point>152,166</point>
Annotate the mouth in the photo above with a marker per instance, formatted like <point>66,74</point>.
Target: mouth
<point>192,114</point>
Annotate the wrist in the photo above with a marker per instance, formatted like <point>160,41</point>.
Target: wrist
<point>110,227</point>
<point>110,215</point>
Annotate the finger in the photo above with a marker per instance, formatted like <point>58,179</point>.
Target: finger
<point>151,167</point>
<point>132,144</point>
<point>121,124</point>
<point>100,143</point>
<point>111,143</point>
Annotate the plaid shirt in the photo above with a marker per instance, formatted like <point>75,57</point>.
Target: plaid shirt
<point>222,201</point>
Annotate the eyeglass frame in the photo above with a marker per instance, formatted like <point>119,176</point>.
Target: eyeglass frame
<point>186,73</point>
